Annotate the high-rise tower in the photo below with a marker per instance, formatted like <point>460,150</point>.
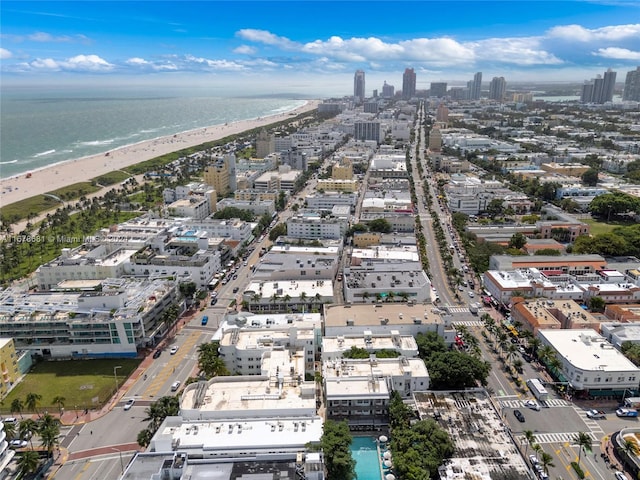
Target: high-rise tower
<point>408,84</point>
<point>497,88</point>
<point>608,86</point>
<point>599,90</point>
<point>358,86</point>
<point>476,87</point>
<point>632,86</point>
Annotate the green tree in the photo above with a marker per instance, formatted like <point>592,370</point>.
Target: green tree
<point>615,203</point>
<point>583,441</point>
<point>549,252</point>
<point>59,401</point>
<point>49,431</point>
<point>28,462</point>
<point>335,442</point>
<point>32,401</point>
<point>17,406</point>
<point>518,240</point>
<point>546,460</point>
<point>597,304</point>
<point>278,231</point>
<point>144,437</point>
<point>495,207</point>
<point>209,360</point>
<point>531,438</point>
<point>590,177</point>
<point>380,225</point>
<point>27,428</point>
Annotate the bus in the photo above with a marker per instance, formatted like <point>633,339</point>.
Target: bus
<point>537,389</point>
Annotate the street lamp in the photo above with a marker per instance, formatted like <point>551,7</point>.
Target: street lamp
<point>115,376</point>
<point>121,464</point>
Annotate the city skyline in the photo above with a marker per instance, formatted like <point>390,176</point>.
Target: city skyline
<point>209,43</point>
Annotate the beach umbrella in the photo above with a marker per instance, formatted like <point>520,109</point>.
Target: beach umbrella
<point>387,463</point>
<point>386,455</point>
<point>390,476</point>
<point>383,439</point>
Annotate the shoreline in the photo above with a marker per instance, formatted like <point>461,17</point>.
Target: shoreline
<point>68,172</point>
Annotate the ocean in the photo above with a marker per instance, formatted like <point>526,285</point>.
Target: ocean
<point>42,127</point>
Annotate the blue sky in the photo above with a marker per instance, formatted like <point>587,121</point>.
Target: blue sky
<point>304,44</point>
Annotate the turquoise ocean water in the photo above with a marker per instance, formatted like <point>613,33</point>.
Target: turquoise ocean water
<point>40,127</point>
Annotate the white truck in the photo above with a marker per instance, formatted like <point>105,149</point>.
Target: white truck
<point>473,308</point>
<point>537,389</point>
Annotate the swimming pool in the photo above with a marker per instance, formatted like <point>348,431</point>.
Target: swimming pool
<point>365,453</point>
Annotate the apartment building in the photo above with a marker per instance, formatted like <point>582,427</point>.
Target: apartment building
<point>221,175</point>
<point>359,391</point>
<point>544,314</point>
<point>248,343</point>
<point>333,348</point>
<point>311,226</point>
<point>113,320</point>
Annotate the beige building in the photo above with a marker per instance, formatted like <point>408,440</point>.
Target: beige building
<point>366,239</point>
<point>221,175</point>
<point>330,184</point>
<point>569,169</point>
<point>543,314</point>
<point>343,170</point>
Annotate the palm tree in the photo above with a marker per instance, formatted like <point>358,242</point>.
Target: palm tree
<point>144,437</point>
<point>59,401</point>
<point>17,406</point>
<point>536,448</point>
<point>365,295</point>
<point>286,299</point>
<point>274,299</point>
<point>303,300</point>
<point>49,431</point>
<point>32,400</point>
<point>511,352</point>
<point>531,438</point>
<point>545,353</point>
<point>546,460</point>
<point>28,462</point>
<point>27,428</point>
<point>10,430</point>
<point>534,344</point>
<point>583,441</point>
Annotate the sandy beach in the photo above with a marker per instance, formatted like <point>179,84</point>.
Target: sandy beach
<point>50,178</point>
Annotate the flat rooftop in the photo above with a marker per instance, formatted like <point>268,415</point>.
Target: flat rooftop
<point>586,350</point>
<point>244,394</point>
<point>293,288</point>
<point>373,314</point>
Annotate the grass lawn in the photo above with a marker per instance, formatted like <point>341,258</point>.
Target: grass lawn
<point>598,227</point>
<point>110,178</point>
<point>83,383</point>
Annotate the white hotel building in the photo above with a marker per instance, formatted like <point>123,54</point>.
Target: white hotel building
<point>590,364</point>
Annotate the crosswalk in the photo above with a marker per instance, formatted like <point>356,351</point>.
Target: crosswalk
<point>553,402</point>
<point>458,309</point>
<point>469,323</point>
<point>564,437</point>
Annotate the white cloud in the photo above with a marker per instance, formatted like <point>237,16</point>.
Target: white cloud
<point>214,64</point>
<point>438,52</point>
<point>45,37</point>
<point>245,50</point>
<point>4,54</point>
<point>268,38</point>
<point>609,33</point>
<point>618,53</point>
<point>79,63</point>
<point>136,61</point>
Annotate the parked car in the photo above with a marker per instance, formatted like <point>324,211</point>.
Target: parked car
<point>157,353</point>
<point>596,414</point>
<point>10,420</point>
<point>620,476</point>
<point>18,443</point>
<point>518,414</point>
<point>175,386</point>
<point>532,404</point>
<point>173,350</point>
<point>235,289</point>
<point>129,403</point>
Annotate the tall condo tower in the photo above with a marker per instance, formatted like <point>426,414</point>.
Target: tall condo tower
<point>632,86</point>
<point>358,86</point>
<point>408,84</point>
<point>599,90</point>
<point>497,88</point>
<point>476,87</point>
